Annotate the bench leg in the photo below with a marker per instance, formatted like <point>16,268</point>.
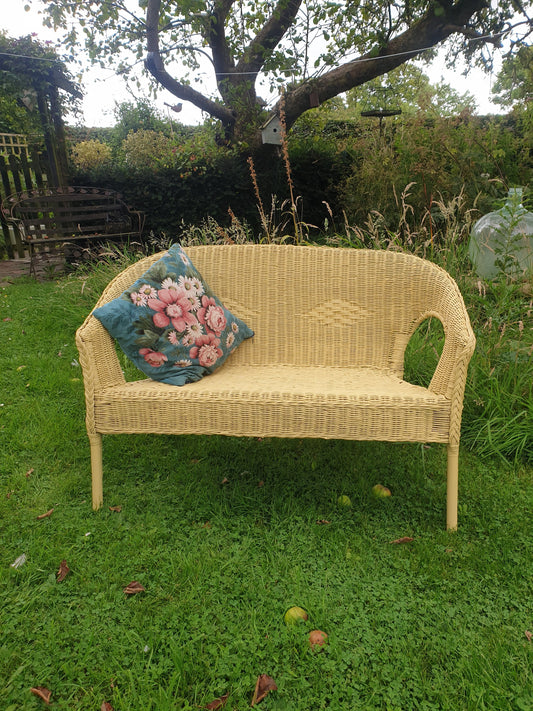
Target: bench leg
<point>97,470</point>
<point>452,487</point>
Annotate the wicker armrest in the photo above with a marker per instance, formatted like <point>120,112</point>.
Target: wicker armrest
<point>450,374</point>
<point>98,357</point>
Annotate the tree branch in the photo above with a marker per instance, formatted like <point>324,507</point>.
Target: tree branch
<point>222,59</point>
<point>267,39</point>
<point>427,32</point>
<point>154,64</point>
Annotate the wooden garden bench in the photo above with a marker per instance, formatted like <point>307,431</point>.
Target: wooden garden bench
<point>327,359</point>
<point>46,219</point>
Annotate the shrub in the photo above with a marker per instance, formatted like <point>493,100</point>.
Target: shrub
<point>148,150</point>
<point>91,155</point>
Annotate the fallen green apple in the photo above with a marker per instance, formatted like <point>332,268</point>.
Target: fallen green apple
<point>344,500</point>
<point>294,615</point>
<point>380,491</point>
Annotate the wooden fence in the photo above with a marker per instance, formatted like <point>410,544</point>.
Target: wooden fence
<point>22,171</point>
<point>13,143</point>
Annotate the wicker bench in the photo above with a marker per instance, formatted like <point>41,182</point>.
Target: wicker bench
<point>46,219</point>
<point>331,327</point>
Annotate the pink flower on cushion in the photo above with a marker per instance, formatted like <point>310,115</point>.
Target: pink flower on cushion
<point>212,315</point>
<point>153,358</point>
<point>206,350</point>
<point>174,307</point>
<point>138,298</point>
<point>148,291</point>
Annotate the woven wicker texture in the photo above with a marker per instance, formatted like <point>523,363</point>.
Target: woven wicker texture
<point>331,330</point>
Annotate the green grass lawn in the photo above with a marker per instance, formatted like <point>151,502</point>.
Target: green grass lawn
<point>225,534</point>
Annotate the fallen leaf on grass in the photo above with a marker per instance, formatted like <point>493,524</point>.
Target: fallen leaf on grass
<point>63,571</point>
<point>106,706</point>
<point>29,473</point>
<point>529,635</point>
<point>133,588</point>
<point>7,319</point>
<point>45,515</point>
<point>322,522</point>
<point>263,686</point>
<point>405,539</point>
<point>217,703</point>
<point>115,509</point>
<point>42,692</point>
<point>225,480</point>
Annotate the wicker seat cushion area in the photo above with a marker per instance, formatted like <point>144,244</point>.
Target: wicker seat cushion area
<point>258,401</point>
<point>326,359</point>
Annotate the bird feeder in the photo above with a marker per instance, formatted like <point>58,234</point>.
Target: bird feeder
<point>382,109</point>
<point>502,241</point>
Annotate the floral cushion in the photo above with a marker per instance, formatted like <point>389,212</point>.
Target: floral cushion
<point>170,324</point>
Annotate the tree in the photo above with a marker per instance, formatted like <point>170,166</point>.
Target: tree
<point>515,80</point>
<point>315,49</point>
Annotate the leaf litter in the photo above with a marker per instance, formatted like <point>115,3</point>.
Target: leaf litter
<point>42,692</point>
<point>263,686</point>
<point>63,571</point>
<point>133,588</point>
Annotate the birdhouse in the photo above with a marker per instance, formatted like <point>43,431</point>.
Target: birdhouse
<point>271,131</point>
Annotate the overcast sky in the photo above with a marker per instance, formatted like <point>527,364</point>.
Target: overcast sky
<point>103,88</point>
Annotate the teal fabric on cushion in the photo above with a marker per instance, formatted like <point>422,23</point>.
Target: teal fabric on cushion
<point>170,324</point>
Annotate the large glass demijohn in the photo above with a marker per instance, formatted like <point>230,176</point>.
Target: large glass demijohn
<point>502,241</point>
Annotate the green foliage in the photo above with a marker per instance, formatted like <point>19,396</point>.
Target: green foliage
<point>182,184</point>
<point>514,85</point>
<point>145,149</point>
<point>27,66</point>
<point>438,623</point>
<point>437,157</point>
<point>342,169</point>
<point>15,118</point>
<point>137,116</point>
<point>91,155</point>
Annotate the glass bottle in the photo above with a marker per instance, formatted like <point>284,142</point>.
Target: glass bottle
<point>502,241</point>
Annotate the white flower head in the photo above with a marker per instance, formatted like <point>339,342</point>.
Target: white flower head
<point>138,298</point>
<point>184,363</point>
<point>197,286</point>
<point>169,284</point>
<point>148,291</point>
<point>195,329</point>
<point>186,284</point>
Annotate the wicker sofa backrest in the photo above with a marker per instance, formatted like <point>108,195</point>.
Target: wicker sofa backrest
<point>325,306</point>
